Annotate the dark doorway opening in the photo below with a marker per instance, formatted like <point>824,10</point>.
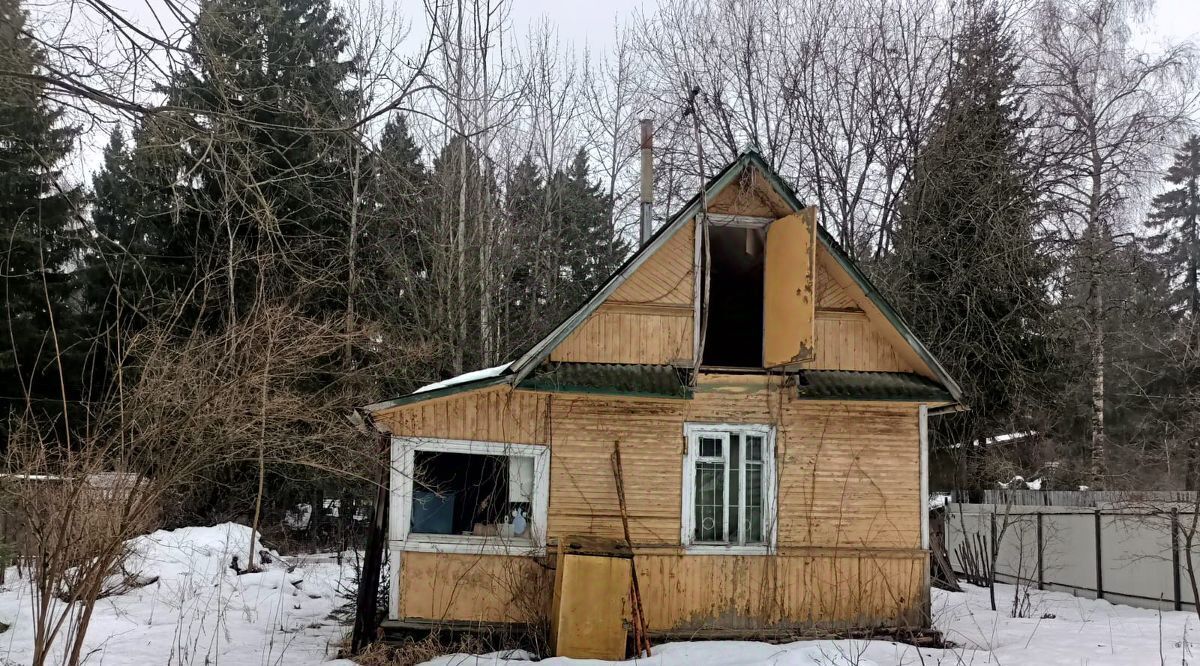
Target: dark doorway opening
<point>734,337</point>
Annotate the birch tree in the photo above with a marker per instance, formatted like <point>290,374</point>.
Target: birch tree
<point>1107,110</point>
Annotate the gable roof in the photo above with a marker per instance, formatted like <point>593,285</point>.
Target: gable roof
<point>519,369</point>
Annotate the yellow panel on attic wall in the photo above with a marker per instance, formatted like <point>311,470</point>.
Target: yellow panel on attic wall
<point>789,299</point>
<point>666,276</point>
<point>850,341</point>
<point>614,335</point>
<point>852,333</point>
<point>648,318</point>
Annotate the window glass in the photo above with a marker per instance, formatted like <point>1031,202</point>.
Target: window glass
<point>729,485</point>
<point>710,447</point>
<point>471,494</point>
<point>710,501</point>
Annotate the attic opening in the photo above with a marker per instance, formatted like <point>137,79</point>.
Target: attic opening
<point>734,337</point>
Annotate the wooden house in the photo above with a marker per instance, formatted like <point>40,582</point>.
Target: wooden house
<point>773,438</point>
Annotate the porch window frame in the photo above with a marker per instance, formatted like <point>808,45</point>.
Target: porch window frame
<point>401,537</point>
<point>692,434</point>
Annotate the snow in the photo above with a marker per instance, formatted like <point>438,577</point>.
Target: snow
<point>466,377</point>
<point>1059,630</point>
<point>199,611</point>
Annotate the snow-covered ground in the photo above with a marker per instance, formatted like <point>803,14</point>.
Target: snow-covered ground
<point>200,611</point>
<point>1081,632</point>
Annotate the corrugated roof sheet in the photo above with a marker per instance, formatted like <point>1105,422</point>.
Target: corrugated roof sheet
<point>670,382</point>
<point>853,385</point>
<point>662,381</point>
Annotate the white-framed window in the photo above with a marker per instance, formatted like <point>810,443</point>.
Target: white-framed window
<point>729,489</point>
<point>468,496</point>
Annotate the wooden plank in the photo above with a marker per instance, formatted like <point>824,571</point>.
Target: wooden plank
<point>789,283</point>
<point>747,592</point>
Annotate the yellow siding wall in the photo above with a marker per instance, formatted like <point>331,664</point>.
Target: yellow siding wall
<point>616,336</point>
<point>476,588</point>
<point>848,472</point>
<point>852,342</point>
<point>681,593</point>
<point>494,415</point>
<point>748,592</point>
<point>848,508</point>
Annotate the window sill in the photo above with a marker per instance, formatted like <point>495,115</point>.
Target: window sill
<point>469,545</point>
<point>718,549</point>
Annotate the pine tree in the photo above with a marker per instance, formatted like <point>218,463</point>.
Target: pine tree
<point>968,277</point>
<point>38,225</point>
<point>534,280</point>
<point>398,256</point>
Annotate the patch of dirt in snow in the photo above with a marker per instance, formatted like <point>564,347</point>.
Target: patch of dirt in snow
<point>199,611</point>
<point>1081,631</point>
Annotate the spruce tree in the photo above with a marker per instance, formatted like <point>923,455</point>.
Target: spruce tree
<point>271,195</point>
<point>592,248</point>
<point>968,276</point>
<point>1175,238</point>
<point>1176,246</point>
<point>40,231</point>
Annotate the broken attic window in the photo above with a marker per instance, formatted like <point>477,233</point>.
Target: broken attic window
<point>472,494</point>
<point>734,337</point>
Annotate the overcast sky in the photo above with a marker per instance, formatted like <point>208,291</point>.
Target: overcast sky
<point>590,24</point>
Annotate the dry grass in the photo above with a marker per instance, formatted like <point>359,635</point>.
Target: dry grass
<point>412,652</point>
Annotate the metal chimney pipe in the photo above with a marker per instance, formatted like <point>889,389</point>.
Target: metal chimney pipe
<point>647,179</point>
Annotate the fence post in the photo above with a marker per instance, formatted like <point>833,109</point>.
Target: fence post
<point>1175,583</point>
<point>993,547</point>
<point>1099,560</point>
<point>1040,546</point>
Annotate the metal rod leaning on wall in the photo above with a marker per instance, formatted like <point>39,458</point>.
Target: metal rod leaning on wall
<point>641,628</point>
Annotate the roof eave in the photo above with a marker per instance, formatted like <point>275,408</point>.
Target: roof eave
<point>443,392</point>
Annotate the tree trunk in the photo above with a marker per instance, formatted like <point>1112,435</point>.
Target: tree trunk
<point>1192,204</point>
<point>1095,246</point>
<point>461,263</point>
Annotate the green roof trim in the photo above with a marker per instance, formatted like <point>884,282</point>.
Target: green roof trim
<point>652,381</point>
<point>452,389</point>
<point>857,385</point>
